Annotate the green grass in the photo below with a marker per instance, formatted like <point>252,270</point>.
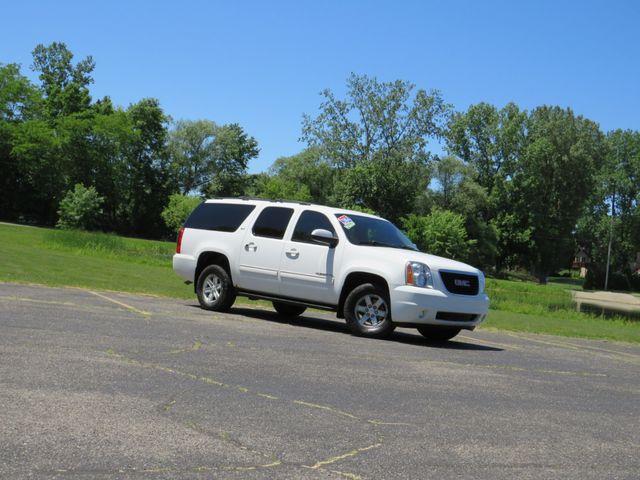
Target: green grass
<point>585,326</point>
<point>550,300</point>
<point>88,260</point>
<point>108,262</point>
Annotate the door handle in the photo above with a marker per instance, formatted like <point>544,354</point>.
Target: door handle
<point>293,253</point>
<point>251,247</point>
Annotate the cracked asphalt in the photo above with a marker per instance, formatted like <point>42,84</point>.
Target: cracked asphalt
<point>111,385</point>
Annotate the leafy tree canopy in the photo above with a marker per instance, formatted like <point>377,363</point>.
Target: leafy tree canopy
<point>65,85</point>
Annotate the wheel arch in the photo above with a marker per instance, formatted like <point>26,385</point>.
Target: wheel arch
<point>358,278</point>
<point>211,258</point>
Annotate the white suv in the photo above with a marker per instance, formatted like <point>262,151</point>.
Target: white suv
<point>299,255</point>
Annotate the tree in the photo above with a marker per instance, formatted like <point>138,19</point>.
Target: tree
<point>111,147</point>
<point>490,142</point>
<point>276,187</point>
<point>387,186</point>
<point>65,86</point>
<point>448,174</point>
<point>306,173</point>
<point>147,174</point>
<point>454,188</point>
<point>441,233</point>
<point>20,101</point>
<point>488,139</point>
<point>210,159</point>
<point>233,149</point>
<point>178,209</point>
<point>191,150</point>
<point>612,211</point>
<point>379,127</point>
<point>41,170</point>
<point>552,181</point>
<point>80,209</point>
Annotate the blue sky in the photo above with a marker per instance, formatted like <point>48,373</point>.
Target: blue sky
<point>263,64</point>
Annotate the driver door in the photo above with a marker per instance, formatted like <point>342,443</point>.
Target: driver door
<point>307,267</point>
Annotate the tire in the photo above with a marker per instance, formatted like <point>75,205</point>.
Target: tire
<point>367,311</point>
<point>437,333</point>
<point>215,290</point>
<point>288,310</point>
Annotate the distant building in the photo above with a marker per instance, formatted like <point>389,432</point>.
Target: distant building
<point>581,261</point>
<point>635,266</point>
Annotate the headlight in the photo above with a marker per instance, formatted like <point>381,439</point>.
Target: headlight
<point>481,282</point>
<point>418,274</point>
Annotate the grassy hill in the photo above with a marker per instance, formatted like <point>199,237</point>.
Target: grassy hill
<point>88,260</point>
<point>109,262</point>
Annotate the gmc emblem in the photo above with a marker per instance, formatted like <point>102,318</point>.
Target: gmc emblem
<point>462,283</point>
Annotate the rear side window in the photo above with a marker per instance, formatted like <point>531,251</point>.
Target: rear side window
<point>272,222</point>
<point>222,217</point>
<point>308,222</point>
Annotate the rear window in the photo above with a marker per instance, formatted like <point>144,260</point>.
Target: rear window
<point>272,222</point>
<point>223,217</point>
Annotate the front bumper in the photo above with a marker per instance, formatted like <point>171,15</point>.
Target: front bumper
<point>421,306</point>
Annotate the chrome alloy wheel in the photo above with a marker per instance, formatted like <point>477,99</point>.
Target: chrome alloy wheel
<point>371,310</point>
<point>212,288</point>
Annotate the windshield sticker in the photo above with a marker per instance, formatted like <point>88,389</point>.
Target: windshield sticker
<point>346,222</point>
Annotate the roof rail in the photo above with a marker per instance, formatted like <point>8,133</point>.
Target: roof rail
<point>274,200</point>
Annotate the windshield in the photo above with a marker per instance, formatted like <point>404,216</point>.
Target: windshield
<point>362,230</point>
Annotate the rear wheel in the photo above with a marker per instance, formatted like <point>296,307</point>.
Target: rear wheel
<point>438,333</point>
<point>367,311</point>
<point>288,310</point>
<point>215,290</point>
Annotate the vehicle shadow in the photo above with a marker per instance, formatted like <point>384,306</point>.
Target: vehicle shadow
<point>317,321</point>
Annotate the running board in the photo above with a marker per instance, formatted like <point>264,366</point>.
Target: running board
<point>290,301</point>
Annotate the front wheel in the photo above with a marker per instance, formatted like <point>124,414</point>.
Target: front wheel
<point>367,311</point>
<point>288,310</point>
<point>438,333</point>
<point>215,290</point>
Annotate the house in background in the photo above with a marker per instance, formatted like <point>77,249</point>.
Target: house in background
<point>581,261</point>
<point>635,266</point>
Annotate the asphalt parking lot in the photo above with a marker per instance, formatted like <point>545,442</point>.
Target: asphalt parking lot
<point>110,385</point>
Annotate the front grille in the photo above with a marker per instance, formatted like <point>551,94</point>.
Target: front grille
<point>456,317</point>
<point>460,283</point>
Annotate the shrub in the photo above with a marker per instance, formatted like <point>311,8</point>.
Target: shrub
<point>80,209</point>
<point>178,209</point>
<point>595,278</point>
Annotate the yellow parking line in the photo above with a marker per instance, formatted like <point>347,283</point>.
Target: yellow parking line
<point>352,453</point>
<point>122,304</point>
<point>325,407</point>
<point>582,348</point>
<point>514,368</point>
<point>33,300</point>
<point>197,345</point>
<point>626,354</point>
<point>489,344</point>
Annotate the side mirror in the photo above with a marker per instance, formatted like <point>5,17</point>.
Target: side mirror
<point>324,237</point>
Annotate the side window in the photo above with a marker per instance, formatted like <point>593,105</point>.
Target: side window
<point>307,223</point>
<point>223,217</point>
<point>272,222</point>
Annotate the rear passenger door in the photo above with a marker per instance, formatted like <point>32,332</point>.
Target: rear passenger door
<point>261,251</point>
<point>307,268</point>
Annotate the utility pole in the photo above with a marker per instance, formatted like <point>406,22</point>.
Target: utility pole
<point>606,276</point>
